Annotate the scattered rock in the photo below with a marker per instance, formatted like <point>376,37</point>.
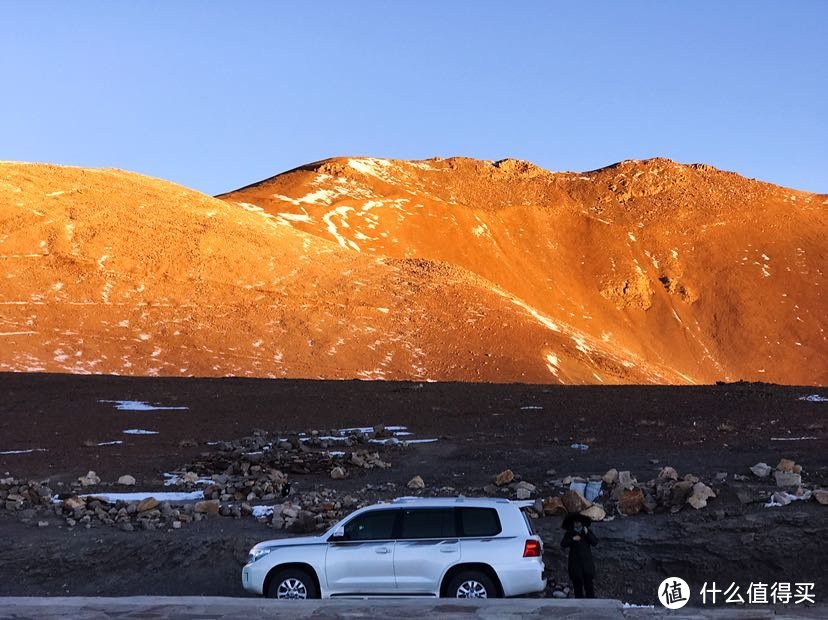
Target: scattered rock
<point>127,481</point>
<point>208,507</point>
<point>780,499</point>
<point>668,473</point>
<point>626,480</point>
<point>595,512</point>
<point>504,477</point>
<point>821,495</point>
<point>149,503</point>
<point>416,483</point>
<point>701,493</point>
<point>786,465</point>
<point>90,479</point>
<point>631,502</point>
<point>74,502</point>
<point>524,490</point>
<point>338,473</point>
<point>553,506</point>
<point>611,477</point>
<point>574,501</point>
<point>787,479</point>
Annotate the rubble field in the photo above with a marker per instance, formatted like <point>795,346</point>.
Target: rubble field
<point>719,483</point>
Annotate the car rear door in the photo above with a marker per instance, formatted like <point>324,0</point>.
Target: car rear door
<point>427,545</point>
<point>363,563</point>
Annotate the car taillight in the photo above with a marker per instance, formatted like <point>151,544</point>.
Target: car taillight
<point>532,549</point>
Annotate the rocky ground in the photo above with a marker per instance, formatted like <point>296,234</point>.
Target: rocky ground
<point>680,476</point>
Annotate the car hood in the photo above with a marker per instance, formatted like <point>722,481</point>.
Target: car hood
<point>289,542</point>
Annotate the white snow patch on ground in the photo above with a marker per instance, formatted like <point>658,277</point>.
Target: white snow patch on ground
<point>139,431</point>
<point>29,451</point>
<point>552,363</point>
<point>320,196</point>
<point>138,405</point>
<point>791,438</point>
<point>262,511</point>
<point>297,217</point>
<point>529,407</point>
<point>342,212</point>
<point>581,345</point>
<point>117,442</point>
<point>370,165</point>
<point>772,503</point>
<point>480,230</point>
<point>814,398</point>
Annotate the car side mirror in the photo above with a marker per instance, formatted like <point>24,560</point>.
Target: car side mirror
<point>338,535</point>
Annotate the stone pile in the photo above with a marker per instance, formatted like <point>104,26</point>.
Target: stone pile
<point>16,494</point>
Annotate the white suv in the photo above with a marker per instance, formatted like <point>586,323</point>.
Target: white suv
<point>455,547</point>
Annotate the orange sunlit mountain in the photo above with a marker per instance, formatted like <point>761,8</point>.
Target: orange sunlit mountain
<point>445,269</point>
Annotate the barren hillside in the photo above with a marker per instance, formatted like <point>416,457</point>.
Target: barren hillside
<point>111,272</point>
<point>703,272</point>
<point>643,272</point>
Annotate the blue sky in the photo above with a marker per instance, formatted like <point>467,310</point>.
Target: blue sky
<point>215,95</point>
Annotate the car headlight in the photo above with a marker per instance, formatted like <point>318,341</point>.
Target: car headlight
<point>258,554</point>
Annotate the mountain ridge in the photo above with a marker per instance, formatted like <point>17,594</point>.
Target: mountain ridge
<point>441,269</point>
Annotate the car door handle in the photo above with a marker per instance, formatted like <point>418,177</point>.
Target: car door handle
<point>382,550</point>
<point>448,548</point>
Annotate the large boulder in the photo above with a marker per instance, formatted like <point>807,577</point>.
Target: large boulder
<point>148,503</point>
<point>631,502</point>
<point>574,501</point>
<point>127,481</point>
<point>416,483</point>
<point>553,506</point>
<point>595,512</point>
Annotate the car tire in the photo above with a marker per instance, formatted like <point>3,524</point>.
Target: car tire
<point>471,584</point>
<point>292,583</point>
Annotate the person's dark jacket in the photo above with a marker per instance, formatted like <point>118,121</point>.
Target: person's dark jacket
<point>580,553</point>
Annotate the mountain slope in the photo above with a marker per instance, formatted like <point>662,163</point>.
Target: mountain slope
<point>698,274</point>
<point>112,272</point>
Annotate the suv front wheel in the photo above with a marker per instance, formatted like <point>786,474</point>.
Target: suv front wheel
<point>471,584</point>
<point>292,583</point>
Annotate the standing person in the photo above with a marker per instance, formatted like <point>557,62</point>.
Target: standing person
<point>579,539</point>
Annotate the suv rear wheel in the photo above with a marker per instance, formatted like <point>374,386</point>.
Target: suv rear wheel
<point>292,583</point>
<point>471,584</point>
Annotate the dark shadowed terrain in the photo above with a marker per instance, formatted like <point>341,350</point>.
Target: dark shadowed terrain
<point>481,430</point>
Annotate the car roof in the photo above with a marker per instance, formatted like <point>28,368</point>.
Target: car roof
<point>444,502</point>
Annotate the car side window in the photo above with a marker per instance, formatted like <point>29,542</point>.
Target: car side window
<point>428,523</point>
<point>479,522</point>
<point>374,525</point>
